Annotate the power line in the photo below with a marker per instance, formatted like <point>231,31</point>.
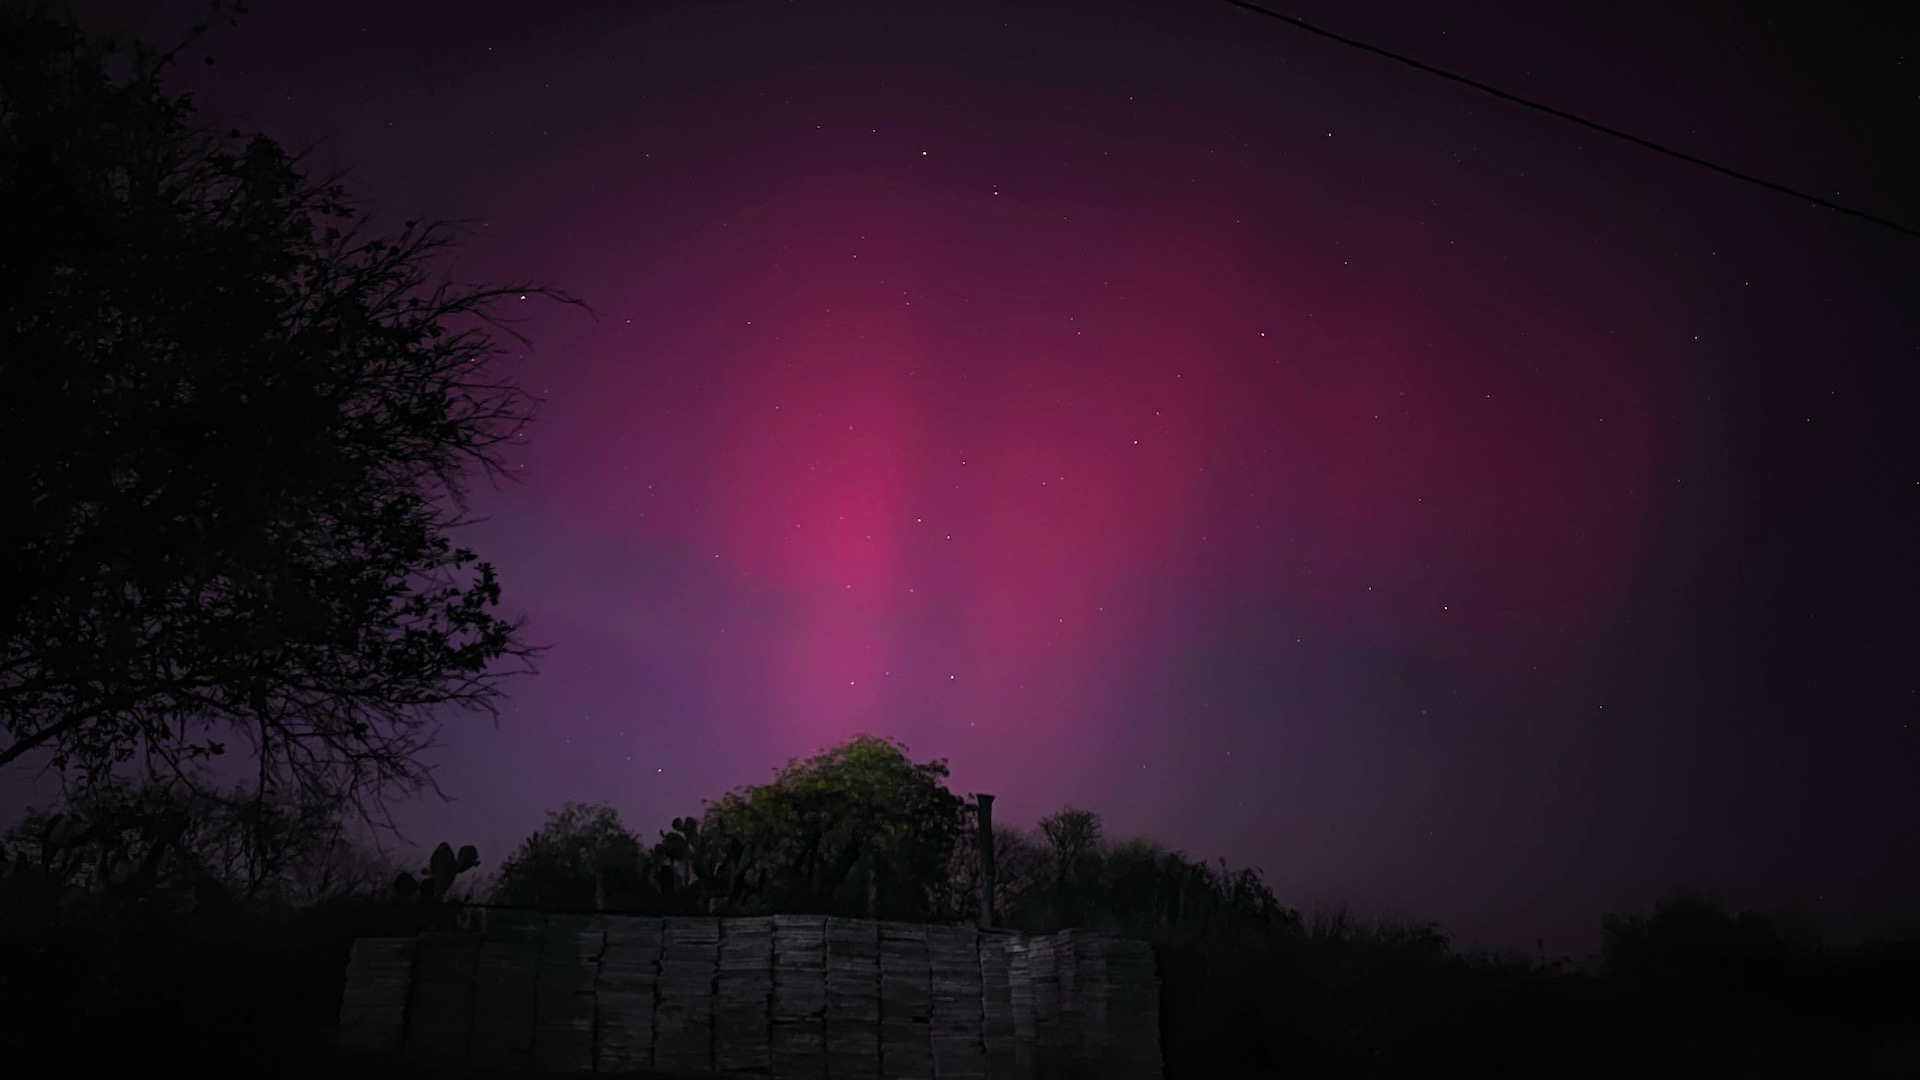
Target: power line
<point>1301,24</point>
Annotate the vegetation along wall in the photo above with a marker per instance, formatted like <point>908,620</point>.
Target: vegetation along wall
<point>781,996</point>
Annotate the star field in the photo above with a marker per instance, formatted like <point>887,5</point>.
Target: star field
<point>1290,457</point>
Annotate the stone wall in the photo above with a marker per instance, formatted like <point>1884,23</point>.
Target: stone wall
<point>801,997</point>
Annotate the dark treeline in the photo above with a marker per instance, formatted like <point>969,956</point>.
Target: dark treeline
<point>236,422</point>
<point>215,929</point>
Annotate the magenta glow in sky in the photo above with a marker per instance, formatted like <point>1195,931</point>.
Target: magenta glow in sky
<point>1292,457</point>
<point>900,423</point>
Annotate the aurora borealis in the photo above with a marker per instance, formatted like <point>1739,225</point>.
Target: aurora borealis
<point>1143,406</point>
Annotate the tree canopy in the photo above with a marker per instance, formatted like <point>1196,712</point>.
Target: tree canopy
<point>863,830</point>
<point>238,423</point>
<point>582,859</point>
<point>169,843</point>
<point>858,829</point>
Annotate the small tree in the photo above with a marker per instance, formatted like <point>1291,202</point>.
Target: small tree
<point>859,829</point>
<point>1073,838</point>
<point>582,859</point>
<point>1075,851</point>
<point>160,838</point>
<point>237,425</point>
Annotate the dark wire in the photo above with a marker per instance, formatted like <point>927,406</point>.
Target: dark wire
<point>1300,24</point>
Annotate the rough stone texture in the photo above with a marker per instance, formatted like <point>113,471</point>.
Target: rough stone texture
<point>906,1002</point>
<point>853,1000</point>
<point>797,1031</point>
<point>997,1029</point>
<point>626,991</point>
<point>784,998</point>
<point>505,983</point>
<point>373,1005</point>
<point>1043,975</point>
<point>683,1016</point>
<point>563,1012</point>
<point>1026,1013</point>
<point>958,1019</point>
<point>440,1004</point>
<point>742,1017</point>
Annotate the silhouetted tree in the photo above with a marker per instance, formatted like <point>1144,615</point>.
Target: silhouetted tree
<point>1020,868</point>
<point>1067,874</point>
<point>1075,848</point>
<point>956,898</point>
<point>237,425</point>
<point>859,829</point>
<point>1692,941</point>
<point>1073,838</point>
<point>175,842</point>
<point>582,859</point>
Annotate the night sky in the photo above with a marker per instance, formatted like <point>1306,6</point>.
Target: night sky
<point>1151,407</point>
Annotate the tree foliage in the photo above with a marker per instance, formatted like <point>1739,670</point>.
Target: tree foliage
<point>862,830</point>
<point>582,859</point>
<point>1691,939</point>
<point>182,846</point>
<point>859,829</point>
<point>237,424</point>
<point>1066,873</point>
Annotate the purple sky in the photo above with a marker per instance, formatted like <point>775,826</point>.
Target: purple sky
<point>1150,407</point>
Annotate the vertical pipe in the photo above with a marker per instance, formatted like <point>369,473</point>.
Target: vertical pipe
<point>986,861</point>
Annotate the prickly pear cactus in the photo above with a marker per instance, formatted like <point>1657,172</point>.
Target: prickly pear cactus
<point>443,867</point>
